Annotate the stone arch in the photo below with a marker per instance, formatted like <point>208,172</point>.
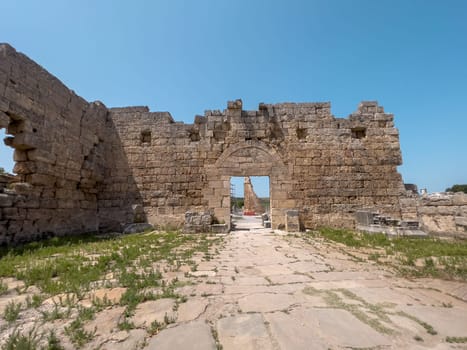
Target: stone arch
<point>249,158</point>
<point>240,149</point>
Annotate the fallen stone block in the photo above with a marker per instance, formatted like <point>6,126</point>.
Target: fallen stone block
<point>137,227</point>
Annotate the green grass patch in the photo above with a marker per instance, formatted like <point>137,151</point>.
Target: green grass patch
<point>11,312</point>
<point>17,340</point>
<point>76,264</point>
<point>416,256</point>
<point>456,339</point>
<point>428,327</point>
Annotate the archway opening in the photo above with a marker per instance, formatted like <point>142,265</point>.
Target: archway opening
<point>250,202</point>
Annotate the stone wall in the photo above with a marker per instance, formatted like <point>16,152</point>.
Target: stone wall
<point>83,167</point>
<point>57,139</point>
<point>157,163</point>
<point>325,167</point>
<point>439,213</point>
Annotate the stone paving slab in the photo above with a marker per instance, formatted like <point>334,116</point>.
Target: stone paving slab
<point>150,311</point>
<point>191,309</point>
<point>246,332</point>
<point>344,329</point>
<point>446,321</point>
<point>188,336</point>
<point>275,292</point>
<point>384,295</point>
<point>265,302</point>
<point>134,340</point>
<point>287,279</point>
<point>344,275</point>
<point>292,333</point>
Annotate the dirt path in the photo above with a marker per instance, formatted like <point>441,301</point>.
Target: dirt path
<point>273,291</point>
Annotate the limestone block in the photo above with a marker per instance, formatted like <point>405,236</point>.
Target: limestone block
<point>24,168</point>
<point>4,120</point>
<point>6,200</point>
<point>461,221</point>
<point>292,223</point>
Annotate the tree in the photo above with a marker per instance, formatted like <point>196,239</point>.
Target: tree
<point>2,171</point>
<point>457,188</point>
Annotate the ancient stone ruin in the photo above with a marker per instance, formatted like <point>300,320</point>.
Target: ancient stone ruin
<point>83,167</point>
<point>252,204</point>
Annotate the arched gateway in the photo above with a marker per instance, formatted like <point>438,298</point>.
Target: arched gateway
<point>248,158</point>
<point>84,167</point>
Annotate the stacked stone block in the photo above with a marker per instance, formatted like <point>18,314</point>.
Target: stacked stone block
<point>56,136</point>
<point>440,213</point>
<point>83,167</point>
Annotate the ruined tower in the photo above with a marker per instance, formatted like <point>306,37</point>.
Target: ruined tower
<point>252,204</point>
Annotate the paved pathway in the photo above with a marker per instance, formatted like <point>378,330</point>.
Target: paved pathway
<point>273,291</point>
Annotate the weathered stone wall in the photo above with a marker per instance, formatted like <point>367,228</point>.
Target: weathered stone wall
<point>342,164</point>
<point>57,140</point>
<point>83,167</point>
<point>157,163</point>
<point>324,166</point>
<point>439,213</point>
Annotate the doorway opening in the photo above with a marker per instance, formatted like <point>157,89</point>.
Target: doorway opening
<point>250,202</point>
<point>6,154</point>
<point>6,162</point>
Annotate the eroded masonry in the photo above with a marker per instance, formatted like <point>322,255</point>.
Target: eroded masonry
<point>83,167</point>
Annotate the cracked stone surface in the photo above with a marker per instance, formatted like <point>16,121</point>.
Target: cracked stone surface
<point>275,291</point>
<point>270,290</point>
<point>194,335</point>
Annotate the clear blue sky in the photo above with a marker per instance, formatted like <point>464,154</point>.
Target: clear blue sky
<point>188,56</point>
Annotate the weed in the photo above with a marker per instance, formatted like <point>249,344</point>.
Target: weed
<point>442,258</point>
<point>3,288</point>
<point>11,312</point>
<point>155,327</point>
<point>429,328</point>
<point>77,334</point>
<point>126,325</point>
<point>86,313</point>
<point>236,269</point>
<point>456,339</point>
<point>418,338</point>
<point>100,303</point>
<point>169,319</point>
<point>74,265</point>
<point>332,299</point>
<point>374,256</point>
<point>53,343</point>
<point>19,341</point>
<point>215,336</point>
<point>55,314</point>
<point>34,301</point>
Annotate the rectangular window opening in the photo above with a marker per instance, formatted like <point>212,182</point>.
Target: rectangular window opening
<point>358,132</point>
